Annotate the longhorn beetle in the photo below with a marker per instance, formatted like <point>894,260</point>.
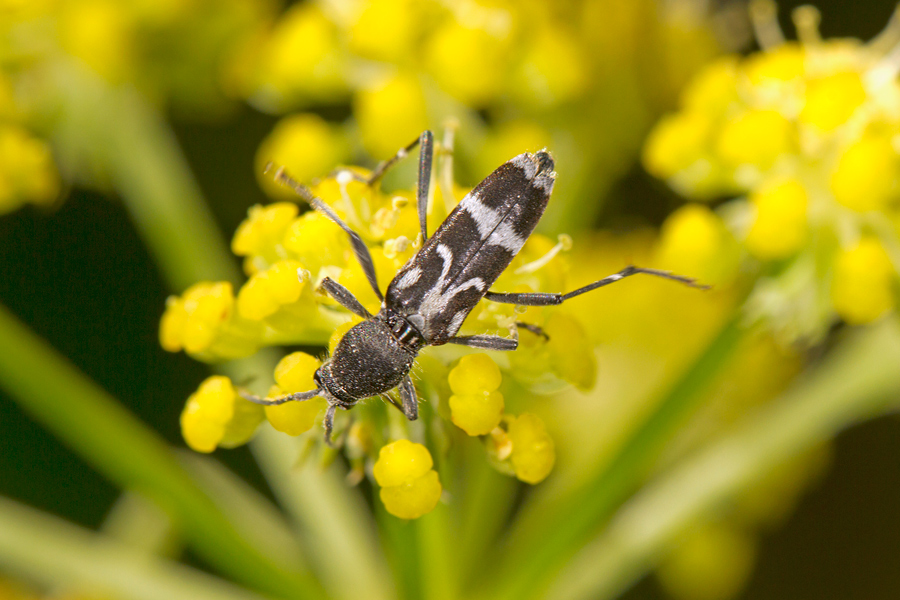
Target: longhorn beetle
<point>430,297</point>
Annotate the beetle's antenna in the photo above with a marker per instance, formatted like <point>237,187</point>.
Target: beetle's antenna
<point>298,397</point>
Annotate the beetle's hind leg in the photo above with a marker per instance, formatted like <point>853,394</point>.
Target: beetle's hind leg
<point>409,401</point>
<point>298,397</point>
<point>549,299</point>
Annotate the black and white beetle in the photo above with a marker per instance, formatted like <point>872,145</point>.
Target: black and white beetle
<point>430,297</point>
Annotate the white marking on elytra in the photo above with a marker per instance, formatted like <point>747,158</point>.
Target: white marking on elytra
<point>490,224</point>
<point>456,322</point>
<point>409,278</point>
<point>439,296</point>
<point>525,161</point>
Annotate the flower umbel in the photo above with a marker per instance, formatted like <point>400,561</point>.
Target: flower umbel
<point>286,257</point>
<point>806,135</point>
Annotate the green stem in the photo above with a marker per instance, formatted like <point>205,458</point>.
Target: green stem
<point>860,380</point>
<point>55,553</point>
<point>336,524</point>
<point>531,557</point>
<point>107,436</point>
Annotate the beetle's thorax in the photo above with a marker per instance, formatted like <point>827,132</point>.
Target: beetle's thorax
<point>369,360</point>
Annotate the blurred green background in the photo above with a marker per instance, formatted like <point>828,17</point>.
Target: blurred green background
<point>79,276</point>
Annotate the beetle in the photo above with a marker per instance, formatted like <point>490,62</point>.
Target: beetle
<point>431,295</point>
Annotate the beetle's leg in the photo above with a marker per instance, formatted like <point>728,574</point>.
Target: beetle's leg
<point>426,157</point>
<point>533,329</point>
<point>329,424</point>
<point>359,247</point>
<point>298,397</point>
<point>547,299</point>
<point>485,342</point>
<point>409,399</point>
<point>344,297</point>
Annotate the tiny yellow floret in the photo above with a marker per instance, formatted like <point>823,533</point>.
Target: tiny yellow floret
<point>414,499</point>
<point>866,174</point>
<point>864,280</point>
<point>533,451</point>
<point>401,462</point>
<point>216,416</point>
<point>263,228</point>
<point>294,373</point>
<point>475,374</point>
<point>832,100</point>
<point>780,225</point>
<point>476,414</point>
<point>755,137</point>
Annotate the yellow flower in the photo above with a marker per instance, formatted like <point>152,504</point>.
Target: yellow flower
<point>864,283</point>
<point>305,145</point>
<point>267,291</point>
<point>468,62</point>
<point>832,100</point>
<point>533,452</point>
<point>262,232</point>
<point>202,323</point>
<point>779,227</point>
<point>476,406</point>
<point>27,171</point>
<point>410,488</point>
<point>694,240</point>
<point>391,114</point>
<point>216,416</point>
<point>865,177</point>
<point>755,137</point>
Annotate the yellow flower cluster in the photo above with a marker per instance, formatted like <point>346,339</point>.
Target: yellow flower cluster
<point>27,172</point>
<point>287,253</point>
<point>539,74</point>
<point>807,136</point>
<point>410,488</point>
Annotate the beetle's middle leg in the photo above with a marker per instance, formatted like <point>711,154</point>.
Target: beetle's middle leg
<point>550,299</point>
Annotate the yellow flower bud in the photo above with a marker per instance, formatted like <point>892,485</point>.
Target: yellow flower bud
<point>267,291</point>
<point>755,137</point>
<point>391,114</point>
<point>294,373</point>
<point>467,62</point>
<point>476,414</point>
<point>694,240</point>
<point>27,171</point>
<point>414,499</point>
<point>305,145</point>
<point>202,323</point>
<point>864,279</point>
<point>866,174</point>
<point>401,462</point>
<point>302,59</point>
<point>831,100</point>
<point>677,142</point>
<point>713,562</point>
<point>533,451</point>
<point>386,30</point>
<point>475,374</point>
<point>100,33</point>
<point>552,71</point>
<point>714,88</point>
<point>776,66</point>
<point>779,228</point>
<point>263,229</point>
<point>216,416</point>
<point>293,418</point>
